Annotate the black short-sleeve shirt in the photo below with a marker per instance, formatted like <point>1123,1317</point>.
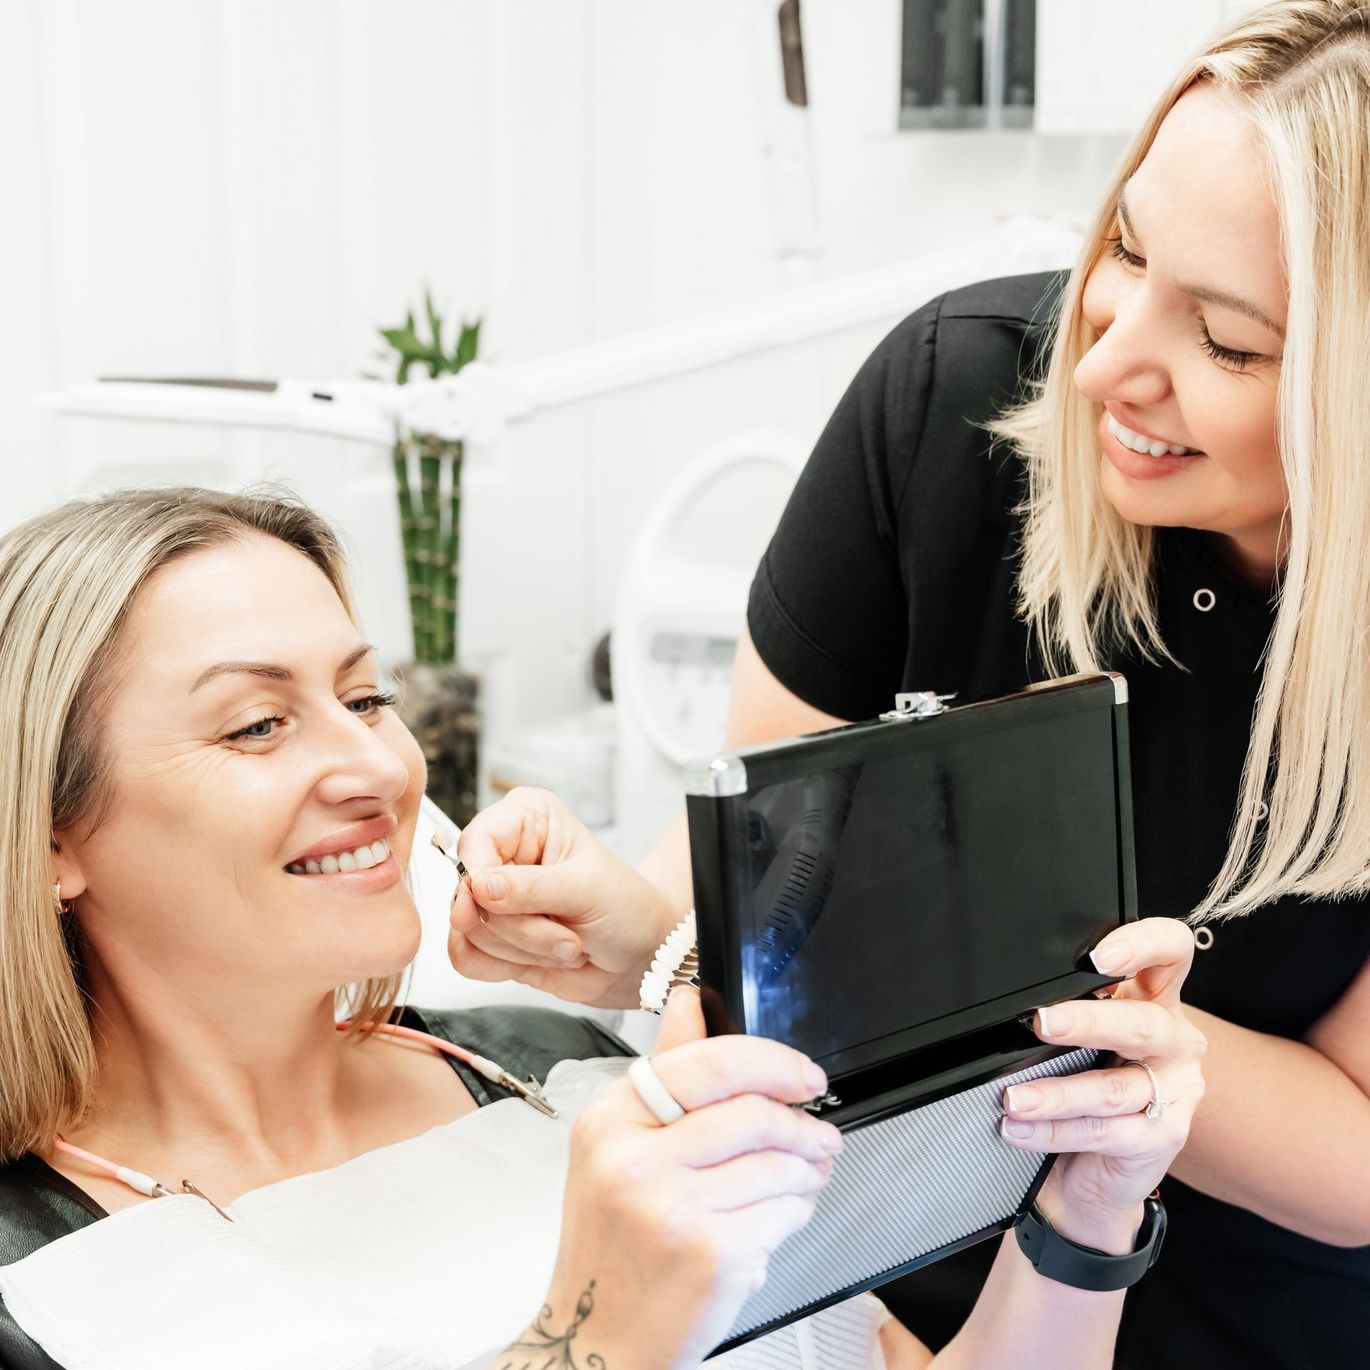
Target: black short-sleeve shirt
<point>892,569</point>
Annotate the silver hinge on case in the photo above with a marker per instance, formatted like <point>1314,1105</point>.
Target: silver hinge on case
<point>719,777</point>
<point>914,704</point>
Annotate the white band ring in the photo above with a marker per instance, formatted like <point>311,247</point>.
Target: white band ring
<point>1155,1105</point>
<point>660,1102</point>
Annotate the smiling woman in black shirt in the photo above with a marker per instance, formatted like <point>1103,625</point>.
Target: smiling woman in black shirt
<point>1178,492</point>
<point>907,506</point>
<point>1177,488</point>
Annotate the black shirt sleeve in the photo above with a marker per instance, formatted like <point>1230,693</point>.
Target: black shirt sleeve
<point>827,606</point>
<point>882,565</point>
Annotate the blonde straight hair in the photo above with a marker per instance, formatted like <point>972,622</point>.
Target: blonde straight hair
<point>1302,68</point>
<point>67,581</point>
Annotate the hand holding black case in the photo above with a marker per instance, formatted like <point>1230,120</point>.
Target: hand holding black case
<point>894,898</point>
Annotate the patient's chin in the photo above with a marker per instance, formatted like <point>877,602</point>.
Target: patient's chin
<point>385,947</point>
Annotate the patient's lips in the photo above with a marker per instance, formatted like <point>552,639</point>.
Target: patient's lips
<point>356,859</point>
<point>348,840</point>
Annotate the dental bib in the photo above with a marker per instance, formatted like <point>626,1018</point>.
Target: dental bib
<point>430,1254</point>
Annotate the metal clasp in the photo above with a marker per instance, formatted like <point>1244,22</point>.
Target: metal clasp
<point>916,704</point>
<point>530,1093</point>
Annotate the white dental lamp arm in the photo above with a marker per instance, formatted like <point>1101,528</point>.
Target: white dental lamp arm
<point>362,411</point>
<point>481,400</point>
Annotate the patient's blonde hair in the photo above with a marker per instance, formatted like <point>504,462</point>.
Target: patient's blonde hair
<point>1302,69</point>
<point>67,581</point>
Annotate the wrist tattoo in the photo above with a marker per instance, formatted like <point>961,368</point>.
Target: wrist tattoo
<point>543,1349</point>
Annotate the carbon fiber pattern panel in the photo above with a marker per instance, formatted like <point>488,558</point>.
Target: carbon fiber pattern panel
<point>904,1187</point>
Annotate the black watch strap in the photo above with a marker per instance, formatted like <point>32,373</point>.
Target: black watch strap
<point>1082,1267</point>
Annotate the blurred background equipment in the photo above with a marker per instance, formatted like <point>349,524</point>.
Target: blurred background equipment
<point>681,611</point>
<point>968,64</point>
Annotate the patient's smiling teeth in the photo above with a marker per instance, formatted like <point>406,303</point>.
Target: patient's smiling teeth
<point>359,859</point>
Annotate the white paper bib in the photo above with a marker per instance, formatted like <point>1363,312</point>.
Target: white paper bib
<point>431,1254</point>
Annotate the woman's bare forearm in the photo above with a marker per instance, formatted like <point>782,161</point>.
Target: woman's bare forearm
<point>1023,1321</point>
<point>1020,1321</point>
<point>566,1332</point>
<point>1282,1131</point>
<point>667,864</point>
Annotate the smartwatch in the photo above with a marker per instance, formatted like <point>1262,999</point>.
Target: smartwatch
<point>1082,1267</point>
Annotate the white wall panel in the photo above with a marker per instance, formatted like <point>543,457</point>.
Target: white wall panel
<point>1101,64</point>
<point>29,473</point>
<point>144,250</point>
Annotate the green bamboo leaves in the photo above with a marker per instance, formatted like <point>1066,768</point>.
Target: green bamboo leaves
<point>428,490</point>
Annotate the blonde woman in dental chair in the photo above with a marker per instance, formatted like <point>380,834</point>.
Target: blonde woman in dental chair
<point>221,1141</point>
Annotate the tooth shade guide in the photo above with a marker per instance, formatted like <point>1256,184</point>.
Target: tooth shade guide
<point>446,849</point>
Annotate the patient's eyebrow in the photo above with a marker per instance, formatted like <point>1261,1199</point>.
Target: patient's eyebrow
<point>269,672</point>
<point>1199,292</point>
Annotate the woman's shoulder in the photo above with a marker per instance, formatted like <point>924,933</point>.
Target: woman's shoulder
<point>925,400</point>
<point>524,1039</point>
<point>918,409</point>
<point>38,1205</point>
<point>1019,309</point>
<point>1029,299</point>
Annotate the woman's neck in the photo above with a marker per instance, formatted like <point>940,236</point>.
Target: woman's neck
<point>260,1085</point>
<point>1257,559</point>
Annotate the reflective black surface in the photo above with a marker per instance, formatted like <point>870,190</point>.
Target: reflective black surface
<point>893,895</point>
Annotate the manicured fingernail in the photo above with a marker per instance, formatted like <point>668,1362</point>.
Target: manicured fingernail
<point>566,951</point>
<point>1109,956</point>
<point>831,1139</point>
<point>1011,1127</point>
<point>1048,1026</point>
<point>815,1079</point>
<point>1023,1097</point>
<point>496,885</point>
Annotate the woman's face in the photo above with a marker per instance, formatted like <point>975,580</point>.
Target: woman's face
<point>246,738</point>
<point>1189,304</point>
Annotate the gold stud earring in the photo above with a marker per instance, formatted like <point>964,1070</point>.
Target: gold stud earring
<point>58,905</point>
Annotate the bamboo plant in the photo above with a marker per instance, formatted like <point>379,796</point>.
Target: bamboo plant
<point>428,490</point>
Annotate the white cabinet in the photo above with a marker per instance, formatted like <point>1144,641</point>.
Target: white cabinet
<point>1101,64</point>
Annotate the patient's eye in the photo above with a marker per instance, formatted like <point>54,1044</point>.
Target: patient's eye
<point>262,730</point>
<point>370,704</point>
